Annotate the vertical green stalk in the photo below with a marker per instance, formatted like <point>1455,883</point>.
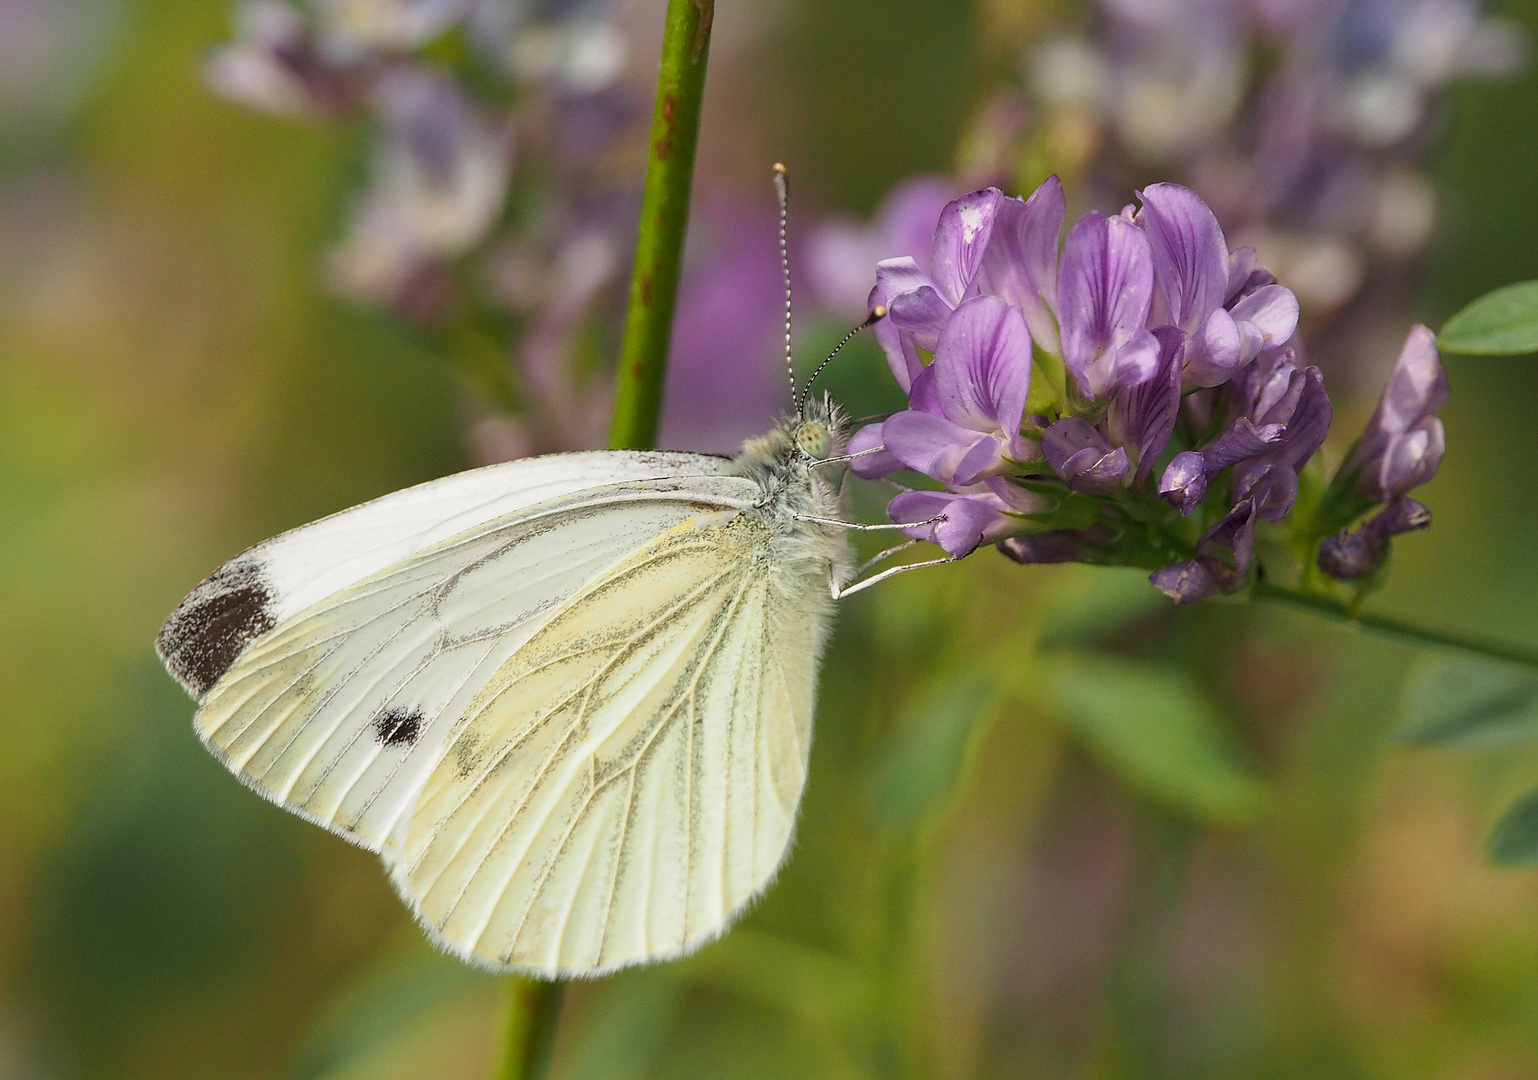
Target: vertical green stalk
<point>528,1030</point>
<point>533,1006</point>
<point>664,215</point>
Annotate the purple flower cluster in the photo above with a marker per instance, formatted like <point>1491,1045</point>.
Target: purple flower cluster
<point>1138,397</point>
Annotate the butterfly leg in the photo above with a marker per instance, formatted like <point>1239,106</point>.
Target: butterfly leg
<point>881,557</point>
<point>857,527</point>
<point>840,593</point>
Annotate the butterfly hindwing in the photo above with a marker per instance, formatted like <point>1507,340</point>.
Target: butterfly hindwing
<point>628,778</point>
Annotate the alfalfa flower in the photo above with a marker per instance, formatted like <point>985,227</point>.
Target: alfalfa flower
<point>1138,398</point>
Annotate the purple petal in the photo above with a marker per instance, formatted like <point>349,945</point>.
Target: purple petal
<point>1104,288</point>
<point>1053,546</point>
<point>961,237</point>
<point>1418,386</point>
<point>921,313</point>
<point>1353,554</point>
<point>1240,440</point>
<point>1082,458</point>
<point>1020,264</point>
<point>1272,310</point>
<point>893,278</point>
<point>1229,546</point>
<point>1142,417</point>
<point>902,354</point>
<point>1241,264</point>
<point>1136,362</point>
<point>874,464</point>
<point>982,367</point>
<point>935,446</point>
<point>1190,256</point>
<point>1271,486</point>
<point>1306,413</point>
<point>1213,354</point>
<point>970,520</point>
<point>1186,582</point>
<point>1223,557</point>
<point>1184,482</point>
<point>1409,460</point>
<point>1402,515</point>
<point>1348,556</point>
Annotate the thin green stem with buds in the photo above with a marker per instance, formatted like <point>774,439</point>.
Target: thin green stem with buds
<point>664,216</point>
<point>533,1006</point>
<point>1477,644</point>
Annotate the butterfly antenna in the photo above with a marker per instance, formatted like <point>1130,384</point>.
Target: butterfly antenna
<point>876,315</point>
<point>782,192</point>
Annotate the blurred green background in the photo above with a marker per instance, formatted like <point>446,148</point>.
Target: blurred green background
<point>965,899</point>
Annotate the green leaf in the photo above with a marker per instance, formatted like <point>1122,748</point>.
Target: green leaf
<point>1500,323</point>
<point>1471,705</point>
<point>923,764</point>
<point>1156,728</point>
<point>1514,839</point>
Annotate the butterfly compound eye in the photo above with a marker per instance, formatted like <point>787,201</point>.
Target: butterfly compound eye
<point>814,440</point>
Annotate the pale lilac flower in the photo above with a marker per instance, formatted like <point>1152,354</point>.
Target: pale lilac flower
<point>969,518</point>
<point>1284,425</point>
<point>1403,445</point>
<point>1222,562</point>
<point>983,243</point>
<point>1082,458</point>
<point>1104,290</point>
<point>353,27</point>
<point>1142,417</point>
<point>1353,554</point>
<point>1193,269</point>
<point>274,65</point>
<point>968,405</point>
<point>439,182</point>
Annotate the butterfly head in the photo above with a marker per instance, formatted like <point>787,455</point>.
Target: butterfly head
<point>813,439</point>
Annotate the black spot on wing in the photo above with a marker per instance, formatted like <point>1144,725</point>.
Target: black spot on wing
<point>211,628</point>
<point>398,727</point>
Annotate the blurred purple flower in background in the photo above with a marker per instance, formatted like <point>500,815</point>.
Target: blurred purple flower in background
<point>531,100</point>
<point>1301,123</point>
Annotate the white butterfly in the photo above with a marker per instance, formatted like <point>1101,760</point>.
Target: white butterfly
<point>567,699</point>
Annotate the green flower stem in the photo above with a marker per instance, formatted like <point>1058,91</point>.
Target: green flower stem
<point>1477,644</point>
<point>664,215</point>
<point>528,1029</point>
<point>534,1006</point>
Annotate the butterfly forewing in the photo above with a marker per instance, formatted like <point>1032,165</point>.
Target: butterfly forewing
<point>340,711</point>
<point>629,777</point>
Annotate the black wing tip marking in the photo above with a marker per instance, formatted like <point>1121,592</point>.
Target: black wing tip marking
<point>399,727</point>
<point>209,630</point>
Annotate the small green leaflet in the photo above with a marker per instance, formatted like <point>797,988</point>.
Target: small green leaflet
<point>1500,323</point>
<point>1471,705</point>
<point>1155,727</point>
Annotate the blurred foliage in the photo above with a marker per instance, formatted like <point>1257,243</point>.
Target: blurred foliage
<point>988,878</point>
